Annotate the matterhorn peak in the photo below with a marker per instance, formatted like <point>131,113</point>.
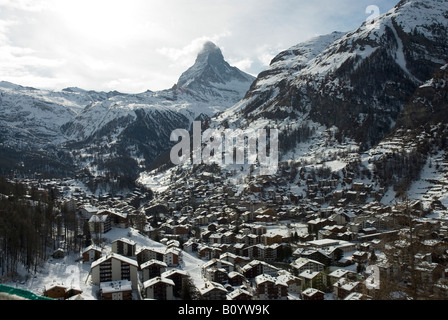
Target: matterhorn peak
<point>210,47</point>
<point>210,54</point>
<point>211,70</point>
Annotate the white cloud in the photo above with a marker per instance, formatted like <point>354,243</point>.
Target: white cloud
<point>189,51</point>
<point>26,5</point>
<point>133,45</point>
<point>243,64</point>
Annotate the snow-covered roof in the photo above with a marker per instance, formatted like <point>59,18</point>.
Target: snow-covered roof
<point>116,286</point>
<point>156,280</point>
<point>210,285</point>
<point>174,271</point>
<point>126,240</point>
<point>151,262</point>
<point>235,293</point>
<point>308,274</point>
<point>301,262</point>
<point>339,273</point>
<point>114,256</point>
<point>92,247</point>
<point>311,291</point>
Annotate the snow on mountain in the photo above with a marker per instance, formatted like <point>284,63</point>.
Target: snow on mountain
<point>137,126</point>
<point>31,112</point>
<point>211,77</point>
<point>358,81</point>
<point>335,100</point>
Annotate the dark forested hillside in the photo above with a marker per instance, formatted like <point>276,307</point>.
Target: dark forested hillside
<point>31,227</point>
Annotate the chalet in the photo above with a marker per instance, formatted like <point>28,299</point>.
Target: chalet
<point>294,283</point>
<point>318,255</point>
<point>235,278</point>
<point>339,274</point>
<point>159,288</point>
<point>239,295</point>
<point>222,220</point>
<point>357,296</point>
<point>180,279</point>
<point>116,290</point>
<point>145,254</point>
<point>270,288</point>
<point>218,275</point>
<point>313,279</point>
<point>234,259</point>
<point>429,271</point>
<point>258,230</point>
<point>99,224</point>
<point>172,243</point>
<point>125,247</point>
<point>117,219</point>
<point>240,249</point>
<point>269,239</point>
<point>266,218</point>
<point>343,287</point>
<point>263,252</point>
<point>87,211</point>
<point>208,253</point>
<point>228,237</point>
<point>345,246</point>
<point>220,264</point>
<point>313,294</point>
<point>229,257</point>
<point>60,292</point>
<point>191,245</point>
<point>181,231</point>
<point>172,256</point>
<point>256,267</point>
<point>70,205</point>
<point>360,256</point>
<point>213,291</point>
<point>58,253</point>
<point>317,224</point>
<point>152,268</point>
<point>301,264</point>
<point>91,253</point>
<point>114,267</point>
<point>215,238</point>
<point>251,239</point>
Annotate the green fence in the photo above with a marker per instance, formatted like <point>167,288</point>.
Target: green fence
<point>21,293</point>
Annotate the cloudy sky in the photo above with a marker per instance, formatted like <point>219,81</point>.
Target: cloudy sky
<point>135,45</point>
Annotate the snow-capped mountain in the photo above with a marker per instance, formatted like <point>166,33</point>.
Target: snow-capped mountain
<point>348,105</point>
<point>108,125</point>
<point>357,82</point>
<point>212,78</point>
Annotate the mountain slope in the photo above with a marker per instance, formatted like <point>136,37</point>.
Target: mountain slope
<point>359,82</point>
<point>102,131</point>
<point>343,104</point>
<point>140,125</point>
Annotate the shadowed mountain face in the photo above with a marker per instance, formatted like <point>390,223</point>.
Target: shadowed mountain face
<point>429,104</point>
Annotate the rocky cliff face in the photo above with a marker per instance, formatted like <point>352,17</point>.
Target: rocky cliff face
<point>429,104</point>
